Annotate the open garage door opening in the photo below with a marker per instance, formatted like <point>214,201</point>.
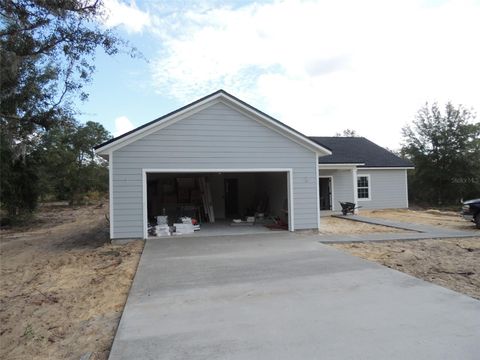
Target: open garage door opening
<point>232,202</point>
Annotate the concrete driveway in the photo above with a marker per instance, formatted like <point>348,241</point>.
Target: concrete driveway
<point>286,296</point>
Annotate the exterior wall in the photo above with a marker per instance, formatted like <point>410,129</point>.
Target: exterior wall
<point>388,189</point>
<point>342,182</point>
<point>217,137</point>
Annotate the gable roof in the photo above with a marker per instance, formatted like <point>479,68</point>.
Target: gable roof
<point>217,96</point>
<point>354,150</point>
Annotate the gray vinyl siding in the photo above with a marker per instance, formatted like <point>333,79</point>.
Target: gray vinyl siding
<point>388,189</point>
<point>342,186</point>
<point>217,137</point>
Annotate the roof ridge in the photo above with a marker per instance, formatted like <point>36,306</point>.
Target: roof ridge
<point>286,130</point>
<point>339,137</point>
<point>359,149</point>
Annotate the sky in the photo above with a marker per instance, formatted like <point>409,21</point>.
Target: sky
<point>318,66</point>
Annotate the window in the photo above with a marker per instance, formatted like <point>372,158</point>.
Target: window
<point>363,187</point>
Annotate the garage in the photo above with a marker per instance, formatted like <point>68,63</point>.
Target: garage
<point>220,201</point>
<point>218,160</point>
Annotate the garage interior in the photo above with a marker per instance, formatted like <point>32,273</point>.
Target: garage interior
<point>218,201</point>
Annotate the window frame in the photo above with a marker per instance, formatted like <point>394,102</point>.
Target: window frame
<point>368,187</point>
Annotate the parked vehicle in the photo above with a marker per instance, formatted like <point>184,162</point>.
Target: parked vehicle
<point>471,211</point>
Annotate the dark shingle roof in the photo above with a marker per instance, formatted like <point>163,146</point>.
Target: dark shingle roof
<point>348,150</point>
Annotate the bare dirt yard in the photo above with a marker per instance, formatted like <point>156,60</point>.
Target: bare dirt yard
<point>451,263</point>
<point>332,226</point>
<point>441,218</point>
<point>63,286</point>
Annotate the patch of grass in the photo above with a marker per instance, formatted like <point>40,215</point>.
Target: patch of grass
<point>28,332</point>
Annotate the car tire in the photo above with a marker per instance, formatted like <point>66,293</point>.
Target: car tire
<point>477,220</point>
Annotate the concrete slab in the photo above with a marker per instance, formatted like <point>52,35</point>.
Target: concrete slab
<point>383,237</point>
<point>418,231</point>
<point>404,225</point>
<point>286,296</point>
<point>224,228</point>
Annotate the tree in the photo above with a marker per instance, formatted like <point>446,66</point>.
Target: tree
<point>445,148</point>
<point>348,133</point>
<point>47,51</point>
<point>18,179</point>
<point>60,163</point>
<point>68,166</point>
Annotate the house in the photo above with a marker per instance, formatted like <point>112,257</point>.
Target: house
<point>358,169</point>
<point>220,158</point>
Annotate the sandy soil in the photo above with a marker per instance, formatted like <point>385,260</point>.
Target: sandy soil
<point>447,219</point>
<point>451,263</point>
<point>331,226</point>
<point>63,287</point>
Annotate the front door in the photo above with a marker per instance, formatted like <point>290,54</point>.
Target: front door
<point>325,184</point>
<point>231,198</point>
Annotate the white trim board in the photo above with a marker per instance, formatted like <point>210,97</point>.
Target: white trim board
<point>355,190</point>
<point>338,166</point>
<point>369,187</point>
<point>386,168</point>
<point>110,191</point>
<point>406,188</point>
<point>277,127</point>
<point>227,99</point>
<point>359,167</point>
<point>288,171</point>
<point>213,170</point>
<point>150,129</point>
<point>318,192</point>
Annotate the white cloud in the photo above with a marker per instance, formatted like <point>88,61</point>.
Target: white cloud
<point>324,66</point>
<point>122,125</point>
<point>128,15</point>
